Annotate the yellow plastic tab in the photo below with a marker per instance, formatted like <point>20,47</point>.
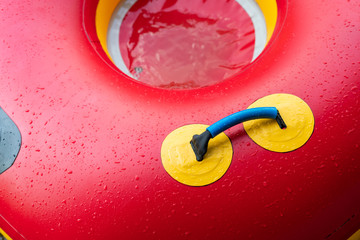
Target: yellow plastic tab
<point>2,232</point>
<point>297,116</point>
<point>180,162</point>
<point>355,236</point>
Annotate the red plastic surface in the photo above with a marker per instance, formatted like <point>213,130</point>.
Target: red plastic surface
<point>90,167</point>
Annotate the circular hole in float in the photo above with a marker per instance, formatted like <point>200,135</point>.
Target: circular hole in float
<point>178,43</point>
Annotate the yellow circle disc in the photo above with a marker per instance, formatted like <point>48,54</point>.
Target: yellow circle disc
<point>296,114</point>
<point>178,157</point>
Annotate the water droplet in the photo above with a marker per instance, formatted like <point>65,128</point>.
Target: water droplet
<point>350,131</point>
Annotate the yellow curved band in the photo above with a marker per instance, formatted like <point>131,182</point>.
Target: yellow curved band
<point>104,12</point>
<point>180,162</point>
<point>269,9</point>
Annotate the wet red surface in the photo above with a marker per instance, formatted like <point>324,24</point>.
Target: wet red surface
<point>89,166</point>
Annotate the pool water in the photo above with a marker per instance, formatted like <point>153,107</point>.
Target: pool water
<point>185,44</point>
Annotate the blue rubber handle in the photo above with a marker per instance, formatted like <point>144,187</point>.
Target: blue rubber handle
<point>242,116</point>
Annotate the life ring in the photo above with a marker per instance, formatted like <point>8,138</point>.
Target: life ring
<point>90,167</point>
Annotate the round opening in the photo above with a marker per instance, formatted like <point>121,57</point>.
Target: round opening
<point>183,44</point>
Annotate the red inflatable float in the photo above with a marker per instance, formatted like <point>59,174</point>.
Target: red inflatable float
<point>85,111</point>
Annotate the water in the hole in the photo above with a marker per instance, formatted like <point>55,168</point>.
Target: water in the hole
<point>186,44</point>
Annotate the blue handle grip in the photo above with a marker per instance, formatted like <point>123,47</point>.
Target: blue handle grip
<point>242,116</point>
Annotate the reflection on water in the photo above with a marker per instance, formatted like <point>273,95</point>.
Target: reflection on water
<point>186,44</point>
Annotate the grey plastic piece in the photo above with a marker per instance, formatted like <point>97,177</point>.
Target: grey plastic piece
<point>10,141</point>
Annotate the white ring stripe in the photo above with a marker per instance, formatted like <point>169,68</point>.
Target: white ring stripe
<point>259,23</point>
<point>113,35</point>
